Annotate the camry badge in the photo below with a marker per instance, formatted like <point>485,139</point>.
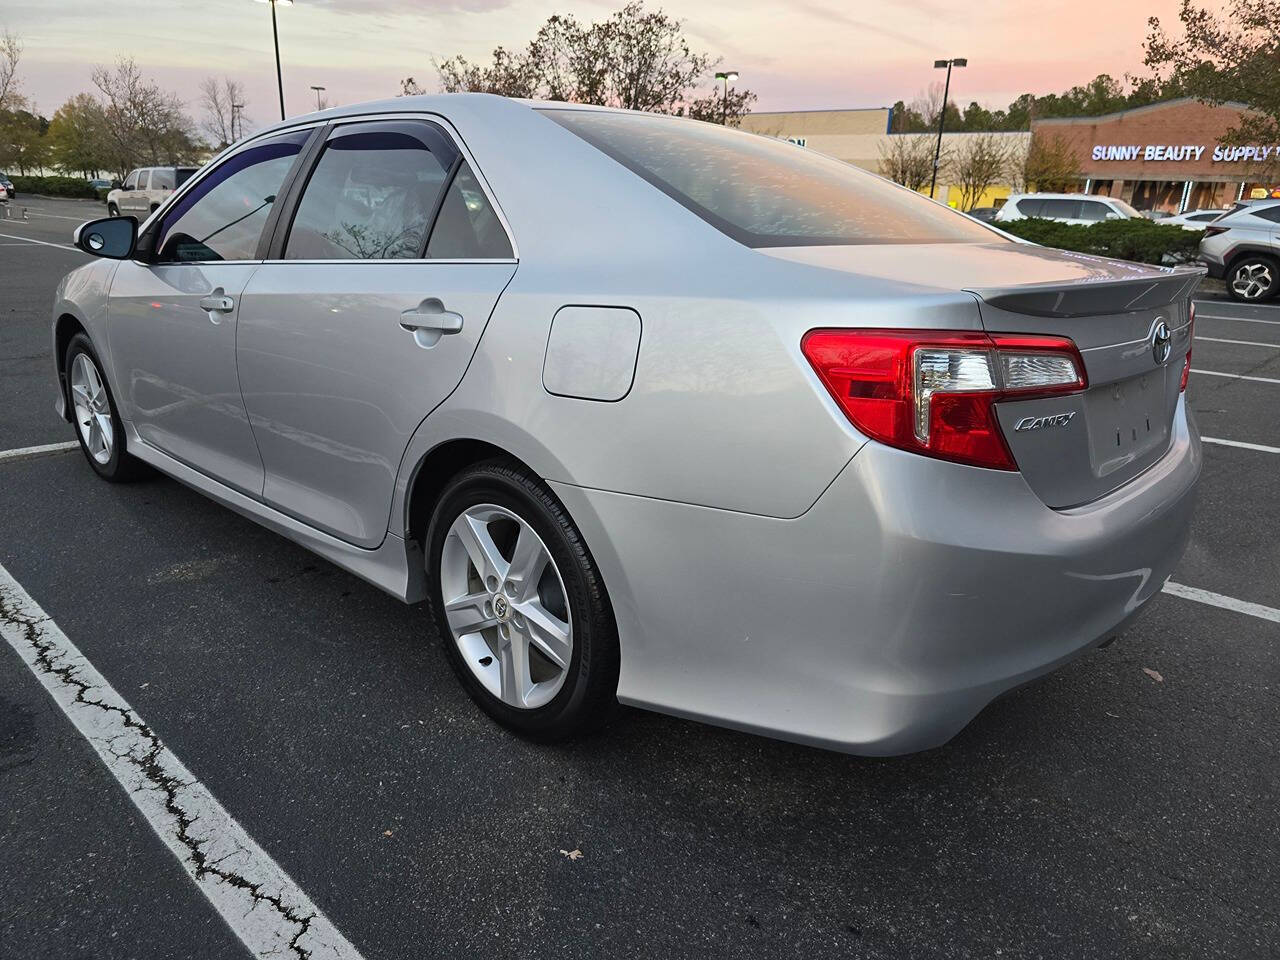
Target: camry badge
<point>1041,423</point>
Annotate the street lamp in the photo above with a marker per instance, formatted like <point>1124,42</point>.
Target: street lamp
<point>234,108</point>
<point>942,114</point>
<point>275,36</point>
<point>726,76</point>
<point>317,90</point>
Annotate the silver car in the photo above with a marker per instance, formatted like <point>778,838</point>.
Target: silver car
<point>1242,247</point>
<point>651,411</point>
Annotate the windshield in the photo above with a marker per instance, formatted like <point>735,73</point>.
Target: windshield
<point>764,192</point>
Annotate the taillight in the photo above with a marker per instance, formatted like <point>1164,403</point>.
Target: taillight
<point>1191,341</point>
<point>934,391</point>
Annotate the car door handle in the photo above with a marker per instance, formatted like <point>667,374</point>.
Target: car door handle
<point>217,304</point>
<point>431,316</point>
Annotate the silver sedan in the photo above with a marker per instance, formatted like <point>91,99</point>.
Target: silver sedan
<point>650,411</point>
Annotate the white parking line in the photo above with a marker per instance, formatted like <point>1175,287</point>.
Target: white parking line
<point>1243,343</point>
<point>1234,376</point>
<point>30,453</point>
<point>257,899</point>
<point>1261,448</point>
<point>43,243</point>
<point>1226,603</point>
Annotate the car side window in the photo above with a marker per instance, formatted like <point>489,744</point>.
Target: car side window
<point>1065,209</point>
<point>467,228</point>
<point>373,192</point>
<point>162,178</point>
<point>1093,210</point>
<point>142,178</point>
<point>131,180</point>
<point>222,216</point>
<point>1269,213</point>
<point>1030,208</point>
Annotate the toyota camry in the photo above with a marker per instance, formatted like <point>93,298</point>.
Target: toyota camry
<point>650,411</point>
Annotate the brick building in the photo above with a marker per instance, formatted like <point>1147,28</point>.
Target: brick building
<point>1167,156</point>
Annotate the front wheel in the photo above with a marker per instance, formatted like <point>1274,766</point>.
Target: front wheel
<point>519,604</point>
<point>98,426</point>
<point>1253,279</point>
<point>113,210</point>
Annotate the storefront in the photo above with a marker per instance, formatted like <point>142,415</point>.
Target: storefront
<point>1168,156</point>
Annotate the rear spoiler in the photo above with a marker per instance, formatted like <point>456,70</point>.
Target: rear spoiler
<point>1088,298</point>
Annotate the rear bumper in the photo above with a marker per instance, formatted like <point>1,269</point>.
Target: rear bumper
<point>1216,269</point>
<point>881,621</point>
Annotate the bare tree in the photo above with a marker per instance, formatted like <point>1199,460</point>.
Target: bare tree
<point>977,162</point>
<point>144,123</point>
<point>907,158</point>
<point>10,56</point>
<point>218,100</point>
<point>928,103</point>
<point>718,108</point>
<point>1047,162</point>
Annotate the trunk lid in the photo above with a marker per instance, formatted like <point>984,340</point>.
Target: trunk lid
<point>1076,448</point>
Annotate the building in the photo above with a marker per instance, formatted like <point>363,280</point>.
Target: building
<point>861,135</point>
<point>1166,156</point>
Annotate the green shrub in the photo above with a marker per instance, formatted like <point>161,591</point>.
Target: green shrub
<point>55,187</point>
<point>1140,239</point>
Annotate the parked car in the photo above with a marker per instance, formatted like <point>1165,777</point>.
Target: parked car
<point>100,184</point>
<point>1242,247</point>
<point>985,214</point>
<point>716,426</point>
<point>6,188</point>
<point>145,189</point>
<point>1194,219</point>
<point>1065,208</point>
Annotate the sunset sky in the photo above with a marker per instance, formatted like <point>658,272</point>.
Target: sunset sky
<point>802,55</point>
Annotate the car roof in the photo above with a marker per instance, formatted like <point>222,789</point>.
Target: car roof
<point>1061,196</point>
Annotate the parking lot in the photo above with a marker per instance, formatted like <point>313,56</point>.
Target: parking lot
<point>1124,806</point>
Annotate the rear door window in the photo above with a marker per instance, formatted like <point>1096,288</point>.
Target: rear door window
<point>1093,210</point>
<point>1062,209</point>
<point>373,192</point>
<point>143,177</point>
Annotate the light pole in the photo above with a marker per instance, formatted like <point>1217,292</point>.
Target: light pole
<point>726,76</point>
<point>275,36</point>
<point>942,114</point>
<point>235,107</point>
<point>318,90</point>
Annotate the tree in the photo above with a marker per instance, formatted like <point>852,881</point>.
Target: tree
<point>905,119</point>
<point>635,58</point>
<point>22,140</point>
<point>1225,56</point>
<point>1048,163</point>
<point>715,107</point>
<point>145,125</point>
<point>978,160</point>
<point>908,159</point>
<point>78,137</point>
<point>218,99</point>
<point>10,56</point>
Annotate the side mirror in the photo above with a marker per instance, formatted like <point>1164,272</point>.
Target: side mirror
<point>112,237</point>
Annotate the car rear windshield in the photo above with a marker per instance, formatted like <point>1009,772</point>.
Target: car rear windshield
<point>764,192</point>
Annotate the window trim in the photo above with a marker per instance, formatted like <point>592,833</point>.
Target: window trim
<point>284,219</point>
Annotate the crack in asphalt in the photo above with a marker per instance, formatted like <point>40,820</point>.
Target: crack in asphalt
<point>144,751</point>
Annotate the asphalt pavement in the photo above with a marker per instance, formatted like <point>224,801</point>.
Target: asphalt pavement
<point>1124,806</point>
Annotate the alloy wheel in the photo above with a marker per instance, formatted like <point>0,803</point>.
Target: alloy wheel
<point>1252,280</point>
<point>93,408</point>
<point>506,605</point>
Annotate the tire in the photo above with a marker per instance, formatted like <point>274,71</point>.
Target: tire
<point>155,207</point>
<point>552,703</point>
<point>113,210</point>
<point>1254,278</point>
<point>94,414</point>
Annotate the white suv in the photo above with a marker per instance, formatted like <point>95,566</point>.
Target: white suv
<point>1079,208</point>
<point>1243,249</point>
<point>145,189</point>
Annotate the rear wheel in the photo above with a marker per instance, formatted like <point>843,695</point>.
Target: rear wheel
<point>520,605</point>
<point>98,426</point>
<point>1253,278</point>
